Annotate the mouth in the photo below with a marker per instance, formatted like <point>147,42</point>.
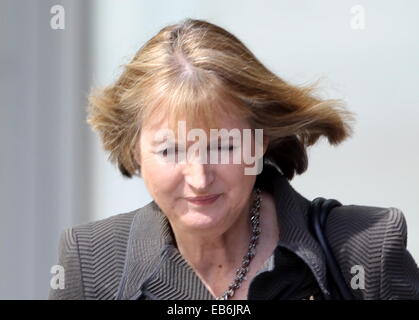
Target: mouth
<point>204,200</point>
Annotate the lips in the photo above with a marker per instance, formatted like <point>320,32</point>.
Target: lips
<point>203,199</point>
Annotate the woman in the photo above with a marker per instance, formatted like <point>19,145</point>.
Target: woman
<point>214,230</point>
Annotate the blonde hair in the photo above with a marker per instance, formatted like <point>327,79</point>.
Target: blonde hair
<point>197,69</point>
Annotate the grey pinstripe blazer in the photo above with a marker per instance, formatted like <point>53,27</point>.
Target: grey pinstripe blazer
<point>131,255</point>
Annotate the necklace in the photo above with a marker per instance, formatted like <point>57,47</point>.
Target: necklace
<point>251,251</point>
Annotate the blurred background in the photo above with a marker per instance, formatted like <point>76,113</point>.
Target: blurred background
<point>54,173</point>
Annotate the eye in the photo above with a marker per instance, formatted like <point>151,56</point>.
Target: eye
<point>225,148</point>
<point>166,152</point>
<point>229,148</point>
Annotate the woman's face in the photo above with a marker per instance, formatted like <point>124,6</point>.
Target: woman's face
<point>170,183</point>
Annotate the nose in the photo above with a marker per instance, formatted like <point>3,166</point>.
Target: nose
<point>199,176</point>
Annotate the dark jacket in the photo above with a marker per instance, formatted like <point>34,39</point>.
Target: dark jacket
<point>132,255</point>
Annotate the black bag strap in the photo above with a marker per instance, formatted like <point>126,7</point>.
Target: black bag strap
<point>318,212</point>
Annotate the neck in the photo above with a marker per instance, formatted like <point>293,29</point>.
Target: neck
<point>218,255</point>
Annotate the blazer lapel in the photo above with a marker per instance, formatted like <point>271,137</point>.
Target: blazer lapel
<point>294,235</point>
<point>153,266</point>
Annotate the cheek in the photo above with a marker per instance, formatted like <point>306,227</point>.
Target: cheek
<point>160,178</point>
<point>237,184</point>
<point>233,175</point>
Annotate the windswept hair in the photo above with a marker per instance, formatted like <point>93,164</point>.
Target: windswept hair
<point>192,69</point>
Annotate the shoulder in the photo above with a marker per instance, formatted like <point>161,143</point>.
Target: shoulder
<point>97,240</point>
<point>357,223</point>
<point>371,242</point>
<point>93,255</point>
<point>368,228</point>
<point>114,226</point>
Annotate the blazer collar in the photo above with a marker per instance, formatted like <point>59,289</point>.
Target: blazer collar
<point>154,267</point>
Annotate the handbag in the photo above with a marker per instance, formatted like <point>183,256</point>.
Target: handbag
<point>318,212</point>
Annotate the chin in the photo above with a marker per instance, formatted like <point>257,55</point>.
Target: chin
<point>195,220</point>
